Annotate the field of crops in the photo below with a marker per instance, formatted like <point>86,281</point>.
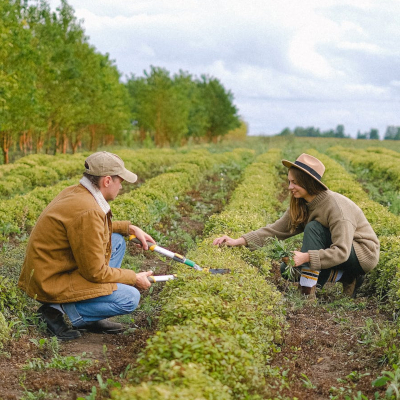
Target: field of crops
<point>243,335</point>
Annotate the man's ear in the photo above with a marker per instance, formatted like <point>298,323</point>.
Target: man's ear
<point>106,181</point>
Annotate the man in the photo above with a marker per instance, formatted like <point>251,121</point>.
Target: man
<point>72,262</point>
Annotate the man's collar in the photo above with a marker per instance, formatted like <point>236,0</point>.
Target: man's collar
<point>98,196</point>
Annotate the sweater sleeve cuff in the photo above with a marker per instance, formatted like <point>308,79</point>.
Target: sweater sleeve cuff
<point>253,241</point>
<point>315,262</point>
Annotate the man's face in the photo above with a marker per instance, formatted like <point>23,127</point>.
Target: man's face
<point>111,187</point>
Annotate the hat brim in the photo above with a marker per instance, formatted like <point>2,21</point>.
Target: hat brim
<point>289,164</point>
<point>128,176</point>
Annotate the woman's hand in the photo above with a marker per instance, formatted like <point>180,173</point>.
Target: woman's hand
<point>300,258</point>
<point>226,240</point>
<point>141,235</point>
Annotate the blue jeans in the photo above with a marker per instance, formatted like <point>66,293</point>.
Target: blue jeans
<point>122,301</point>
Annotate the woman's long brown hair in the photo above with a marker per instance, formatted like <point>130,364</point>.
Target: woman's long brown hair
<point>298,208</point>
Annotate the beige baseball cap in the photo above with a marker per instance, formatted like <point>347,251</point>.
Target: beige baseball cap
<point>104,163</point>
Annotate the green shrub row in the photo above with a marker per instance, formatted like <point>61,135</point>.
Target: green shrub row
<point>144,205</point>
<point>19,214</point>
<point>152,200</point>
<point>217,332</point>
<point>381,164</point>
<point>385,278</point>
<point>46,170</point>
<point>383,151</point>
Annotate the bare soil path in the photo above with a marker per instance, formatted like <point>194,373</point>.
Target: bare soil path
<point>328,352</point>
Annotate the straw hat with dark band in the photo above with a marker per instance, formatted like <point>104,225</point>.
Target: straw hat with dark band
<point>310,165</point>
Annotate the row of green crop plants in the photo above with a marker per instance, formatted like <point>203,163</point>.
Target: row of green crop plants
<point>38,170</point>
<point>385,278</point>
<point>217,332</point>
<point>382,164</point>
<point>144,207</point>
<point>377,169</point>
<point>19,213</point>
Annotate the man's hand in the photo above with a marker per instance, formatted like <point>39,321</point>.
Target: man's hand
<point>300,258</point>
<point>226,240</point>
<point>141,235</point>
<point>142,283</point>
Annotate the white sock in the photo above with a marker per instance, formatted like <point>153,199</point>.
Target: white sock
<point>57,307</point>
<point>309,277</point>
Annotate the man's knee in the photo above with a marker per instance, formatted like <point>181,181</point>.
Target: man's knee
<point>128,298</point>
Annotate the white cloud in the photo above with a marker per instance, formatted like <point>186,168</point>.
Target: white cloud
<point>367,90</point>
<point>364,47</point>
<point>281,59</point>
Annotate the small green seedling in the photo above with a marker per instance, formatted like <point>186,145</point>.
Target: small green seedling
<point>280,250</point>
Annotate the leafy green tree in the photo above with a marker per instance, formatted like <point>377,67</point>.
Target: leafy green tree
<point>159,105</point>
<point>139,109</point>
<point>17,74</point>
<point>362,135</point>
<point>309,132</point>
<point>299,131</point>
<point>392,133</point>
<point>197,113</point>
<point>329,133</point>
<point>340,131</point>
<point>221,112</point>
<point>83,101</point>
<point>286,132</point>
<point>374,134</point>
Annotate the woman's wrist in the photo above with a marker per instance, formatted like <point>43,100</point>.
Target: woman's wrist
<point>241,242</point>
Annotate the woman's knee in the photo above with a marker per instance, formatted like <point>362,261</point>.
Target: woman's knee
<point>314,227</point>
<point>316,236</point>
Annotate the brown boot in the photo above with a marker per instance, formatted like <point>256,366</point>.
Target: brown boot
<point>308,292</point>
<point>350,288</point>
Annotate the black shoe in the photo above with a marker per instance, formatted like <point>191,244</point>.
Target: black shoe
<point>55,323</point>
<point>103,326</point>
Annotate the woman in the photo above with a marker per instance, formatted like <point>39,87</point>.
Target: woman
<point>339,244</point>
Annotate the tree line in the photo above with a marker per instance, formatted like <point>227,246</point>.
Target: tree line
<point>339,132</point>
<point>392,133</point>
<point>171,110</point>
<point>59,94</point>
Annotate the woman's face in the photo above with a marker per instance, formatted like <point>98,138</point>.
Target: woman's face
<point>297,191</point>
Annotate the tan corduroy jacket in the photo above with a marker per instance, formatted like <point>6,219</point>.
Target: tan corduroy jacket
<point>69,250</point>
<point>347,224</point>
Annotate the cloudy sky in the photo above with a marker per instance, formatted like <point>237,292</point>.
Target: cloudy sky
<point>288,63</point>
